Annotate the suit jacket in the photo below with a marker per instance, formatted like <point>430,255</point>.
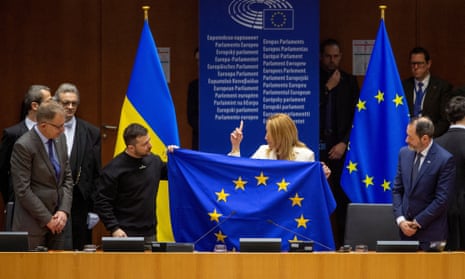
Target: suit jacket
<point>345,96</point>
<point>436,98</point>
<point>85,158</point>
<point>453,141</point>
<point>38,194</point>
<point>10,136</point>
<point>426,198</point>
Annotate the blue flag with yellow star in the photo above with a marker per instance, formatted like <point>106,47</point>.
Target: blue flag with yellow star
<point>217,199</point>
<point>378,132</point>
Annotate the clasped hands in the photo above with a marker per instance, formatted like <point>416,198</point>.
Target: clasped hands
<point>409,228</point>
<point>58,222</point>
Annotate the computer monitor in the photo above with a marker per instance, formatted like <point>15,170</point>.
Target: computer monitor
<point>123,244</point>
<point>260,244</point>
<point>14,242</point>
<point>397,246</point>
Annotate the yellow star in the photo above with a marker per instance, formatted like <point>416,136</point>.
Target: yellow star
<point>386,185</point>
<point>282,185</point>
<point>220,236</point>
<point>261,179</point>
<point>222,195</point>
<point>301,221</point>
<point>368,180</point>
<point>399,100</point>
<point>352,167</point>
<point>361,105</point>
<point>240,184</point>
<point>295,239</point>
<point>380,96</point>
<point>296,200</point>
<point>215,216</point>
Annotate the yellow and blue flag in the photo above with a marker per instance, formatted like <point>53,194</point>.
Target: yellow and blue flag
<point>378,132</point>
<point>217,199</point>
<point>148,102</point>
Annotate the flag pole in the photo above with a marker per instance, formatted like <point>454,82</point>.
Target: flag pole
<point>382,8</point>
<point>146,12</point>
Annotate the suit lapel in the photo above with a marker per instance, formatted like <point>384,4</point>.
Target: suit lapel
<point>43,152</point>
<point>424,168</point>
<point>78,145</point>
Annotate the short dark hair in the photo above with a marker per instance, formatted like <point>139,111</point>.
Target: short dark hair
<point>132,132</point>
<point>328,42</point>
<point>420,50</point>
<point>455,109</point>
<point>423,126</point>
<point>34,95</point>
<point>47,111</point>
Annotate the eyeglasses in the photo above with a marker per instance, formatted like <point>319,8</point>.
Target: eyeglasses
<point>417,64</point>
<point>59,127</point>
<point>67,103</point>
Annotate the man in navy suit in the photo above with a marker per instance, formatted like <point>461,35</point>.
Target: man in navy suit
<point>428,93</point>
<point>453,141</point>
<point>425,176</point>
<point>35,95</point>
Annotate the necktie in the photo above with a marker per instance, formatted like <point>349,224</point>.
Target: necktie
<point>53,159</point>
<point>416,166</point>
<point>418,98</point>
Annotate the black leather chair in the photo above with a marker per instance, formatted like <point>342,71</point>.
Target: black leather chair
<point>367,223</point>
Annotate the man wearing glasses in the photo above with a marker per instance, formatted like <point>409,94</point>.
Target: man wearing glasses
<point>426,95</point>
<point>83,141</point>
<point>42,179</point>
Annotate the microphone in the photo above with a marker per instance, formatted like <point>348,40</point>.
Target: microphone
<point>299,234</point>
<point>215,227</point>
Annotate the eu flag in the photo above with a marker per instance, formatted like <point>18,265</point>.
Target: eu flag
<point>219,199</point>
<point>148,102</point>
<point>378,132</point>
<point>278,19</point>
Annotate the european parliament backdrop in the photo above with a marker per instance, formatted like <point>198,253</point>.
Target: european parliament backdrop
<point>257,58</point>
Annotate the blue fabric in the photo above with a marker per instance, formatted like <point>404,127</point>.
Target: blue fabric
<point>198,181</point>
<point>380,122</point>
<point>149,92</point>
<point>53,159</point>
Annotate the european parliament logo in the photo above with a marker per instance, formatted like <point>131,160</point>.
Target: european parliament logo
<point>263,15</point>
<point>282,19</point>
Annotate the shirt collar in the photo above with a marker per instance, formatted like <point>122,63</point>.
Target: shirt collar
<point>71,123</point>
<point>426,150</point>
<point>41,136</point>
<point>459,126</point>
<point>425,82</point>
<point>29,123</point>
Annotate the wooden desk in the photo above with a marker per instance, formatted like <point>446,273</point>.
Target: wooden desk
<point>232,265</point>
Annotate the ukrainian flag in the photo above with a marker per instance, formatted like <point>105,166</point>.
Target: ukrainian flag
<point>148,102</point>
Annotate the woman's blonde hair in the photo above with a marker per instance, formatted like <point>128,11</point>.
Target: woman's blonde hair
<point>283,131</point>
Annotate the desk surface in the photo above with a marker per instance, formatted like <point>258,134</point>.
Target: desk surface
<point>232,265</point>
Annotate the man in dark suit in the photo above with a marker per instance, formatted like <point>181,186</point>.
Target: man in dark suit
<point>339,92</point>
<point>42,179</point>
<point>424,179</point>
<point>453,141</point>
<point>83,141</point>
<point>426,95</point>
<point>35,95</point>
